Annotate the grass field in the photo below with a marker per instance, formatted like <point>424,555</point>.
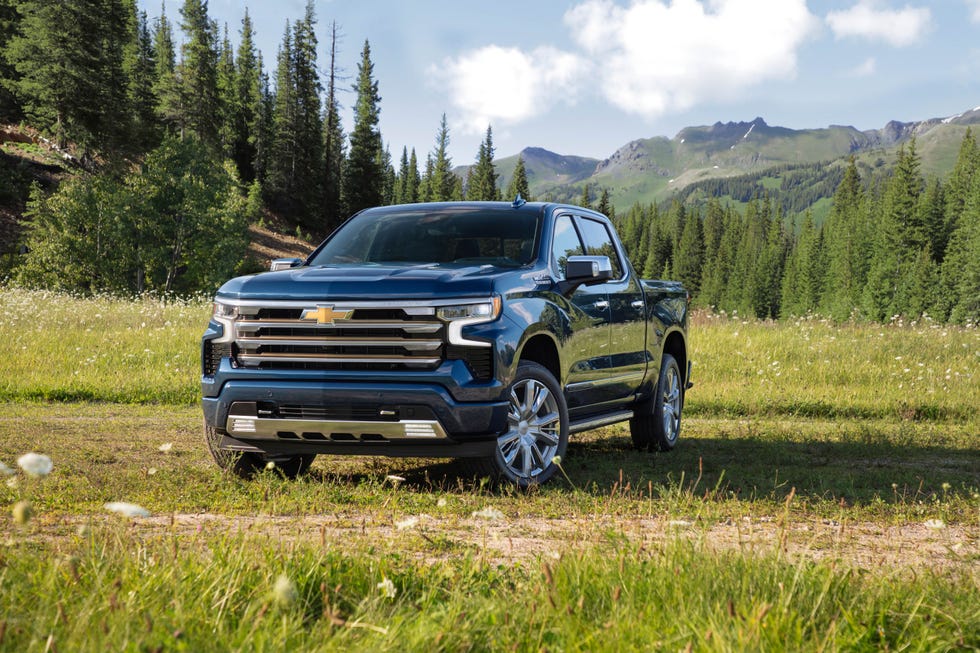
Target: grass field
<point>825,495</point>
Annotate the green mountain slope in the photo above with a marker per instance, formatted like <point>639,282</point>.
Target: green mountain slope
<point>801,162</point>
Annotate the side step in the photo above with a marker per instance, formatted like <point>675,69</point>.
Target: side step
<point>599,421</point>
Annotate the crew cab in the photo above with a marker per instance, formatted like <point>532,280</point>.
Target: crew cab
<point>489,330</point>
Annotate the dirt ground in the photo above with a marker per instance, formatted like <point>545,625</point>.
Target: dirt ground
<point>505,540</point>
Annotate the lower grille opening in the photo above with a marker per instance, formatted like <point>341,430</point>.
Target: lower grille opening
<point>343,437</point>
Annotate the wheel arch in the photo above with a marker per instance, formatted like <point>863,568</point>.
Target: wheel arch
<point>676,346</point>
<point>542,349</point>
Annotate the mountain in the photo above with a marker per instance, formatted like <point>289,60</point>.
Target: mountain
<point>654,169</point>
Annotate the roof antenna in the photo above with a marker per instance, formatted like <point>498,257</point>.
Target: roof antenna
<point>518,202</point>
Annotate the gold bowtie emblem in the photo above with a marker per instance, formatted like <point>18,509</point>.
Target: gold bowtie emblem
<point>325,314</point>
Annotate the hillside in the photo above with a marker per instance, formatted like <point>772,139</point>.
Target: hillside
<point>654,169</point>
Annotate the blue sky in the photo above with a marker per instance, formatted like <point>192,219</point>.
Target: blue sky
<point>585,77</point>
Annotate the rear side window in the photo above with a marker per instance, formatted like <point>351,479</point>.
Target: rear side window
<point>565,243</point>
<point>598,242</point>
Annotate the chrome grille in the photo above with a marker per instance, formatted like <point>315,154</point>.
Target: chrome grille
<point>365,338</point>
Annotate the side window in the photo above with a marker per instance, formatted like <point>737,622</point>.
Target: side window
<point>565,243</point>
<point>598,242</point>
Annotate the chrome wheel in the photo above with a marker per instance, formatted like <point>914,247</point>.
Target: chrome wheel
<point>671,402</point>
<point>534,431</point>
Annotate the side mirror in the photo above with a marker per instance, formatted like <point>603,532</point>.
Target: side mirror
<point>586,270</point>
<point>284,263</point>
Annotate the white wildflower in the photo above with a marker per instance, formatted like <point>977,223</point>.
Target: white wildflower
<point>935,524</point>
<point>407,523</point>
<point>151,471</point>
<point>269,466</point>
<point>488,513</point>
<point>165,447</point>
<point>556,460</point>
<point>284,591</point>
<point>127,509</point>
<point>395,480</point>
<point>442,503</point>
<point>13,482</point>
<point>387,588</point>
<point>35,464</point>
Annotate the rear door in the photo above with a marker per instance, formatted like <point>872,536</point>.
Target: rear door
<point>626,360</point>
<point>587,348</point>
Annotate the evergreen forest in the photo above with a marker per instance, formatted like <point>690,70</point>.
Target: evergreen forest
<point>176,145</point>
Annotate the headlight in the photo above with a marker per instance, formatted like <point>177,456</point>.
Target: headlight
<point>228,311</point>
<point>225,314</point>
<point>460,315</point>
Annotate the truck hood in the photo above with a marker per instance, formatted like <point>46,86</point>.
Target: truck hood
<point>369,282</point>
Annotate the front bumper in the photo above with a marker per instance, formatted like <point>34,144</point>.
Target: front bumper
<point>392,419</point>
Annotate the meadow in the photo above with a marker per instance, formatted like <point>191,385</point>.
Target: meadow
<point>825,495</point>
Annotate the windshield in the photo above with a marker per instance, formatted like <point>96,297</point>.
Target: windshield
<point>464,235</point>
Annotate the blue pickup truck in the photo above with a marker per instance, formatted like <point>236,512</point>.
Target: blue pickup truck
<point>486,330</point>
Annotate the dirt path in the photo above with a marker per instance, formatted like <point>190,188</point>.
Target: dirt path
<point>506,540</point>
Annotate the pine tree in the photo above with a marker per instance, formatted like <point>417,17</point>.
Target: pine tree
<point>308,144</point>
<point>169,109</point>
<point>802,274</point>
<point>605,206</point>
<point>961,267</point>
<point>69,59</point>
<point>197,73</point>
<point>333,142</point>
<point>226,76</point>
<point>10,107</point>
<point>846,246</point>
<point>246,106</point>
<point>442,185</point>
<point>482,182</point>
<point>140,69</point>
<point>281,173</point>
<point>425,186</point>
<point>414,181</point>
<point>585,201</point>
<point>689,261</point>
<point>363,178</point>
<point>518,182</point>
<point>900,237</point>
<point>960,181</point>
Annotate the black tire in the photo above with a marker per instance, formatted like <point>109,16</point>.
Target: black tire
<point>656,423</point>
<point>246,465</point>
<point>537,428</point>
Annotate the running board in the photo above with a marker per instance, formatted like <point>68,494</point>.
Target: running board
<point>599,421</point>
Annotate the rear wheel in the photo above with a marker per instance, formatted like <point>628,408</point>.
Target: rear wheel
<point>247,464</point>
<point>657,424</point>
<point>537,428</point>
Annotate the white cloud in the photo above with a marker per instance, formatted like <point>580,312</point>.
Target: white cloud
<point>648,58</point>
<point>974,7</point>
<point>865,69</point>
<point>869,19</point>
<point>655,57</point>
<point>506,85</point>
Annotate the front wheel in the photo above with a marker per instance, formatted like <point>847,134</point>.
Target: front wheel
<point>537,428</point>
<point>658,426</point>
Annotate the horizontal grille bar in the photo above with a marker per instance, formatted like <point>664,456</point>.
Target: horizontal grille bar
<point>411,345</point>
<point>246,359</point>
<point>408,327</point>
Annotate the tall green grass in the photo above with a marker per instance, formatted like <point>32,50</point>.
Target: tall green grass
<point>111,588</point>
<point>62,348</point>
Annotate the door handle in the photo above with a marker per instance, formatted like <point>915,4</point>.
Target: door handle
<point>638,304</point>
<point>601,305</point>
